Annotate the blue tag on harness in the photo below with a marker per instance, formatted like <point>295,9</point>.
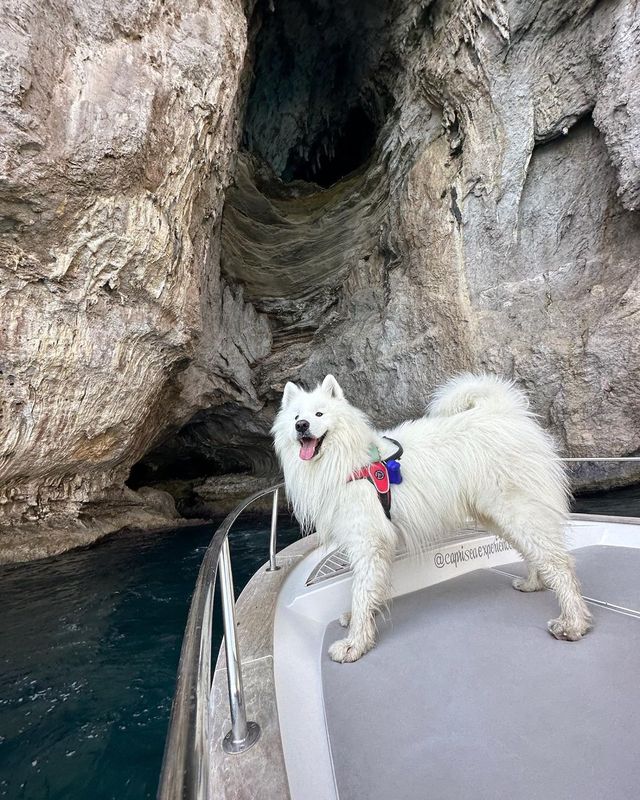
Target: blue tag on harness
<point>393,467</point>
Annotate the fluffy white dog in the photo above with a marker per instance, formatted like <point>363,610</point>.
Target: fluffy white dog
<point>478,453</point>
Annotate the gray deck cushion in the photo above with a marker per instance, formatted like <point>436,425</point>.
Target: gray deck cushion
<point>467,697</point>
<point>606,573</point>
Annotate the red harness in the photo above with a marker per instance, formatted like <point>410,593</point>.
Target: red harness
<point>377,474</point>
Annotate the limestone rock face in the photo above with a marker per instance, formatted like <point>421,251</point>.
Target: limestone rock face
<point>415,189</point>
<point>119,123</point>
<point>493,227</point>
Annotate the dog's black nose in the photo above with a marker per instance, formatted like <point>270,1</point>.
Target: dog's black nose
<point>302,426</point>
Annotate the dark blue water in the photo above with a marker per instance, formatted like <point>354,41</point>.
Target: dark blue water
<point>89,646</point>
<point>619,502</point>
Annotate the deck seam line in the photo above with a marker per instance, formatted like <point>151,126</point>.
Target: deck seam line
<point>627,612</point>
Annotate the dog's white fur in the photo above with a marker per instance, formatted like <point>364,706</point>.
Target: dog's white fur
<point>477,453</point>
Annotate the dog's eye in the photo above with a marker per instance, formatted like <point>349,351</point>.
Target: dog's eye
<point>297,415</point>
<point>318,413</point>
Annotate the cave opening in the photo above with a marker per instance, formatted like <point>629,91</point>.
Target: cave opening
<point>321,90</point>
<point>318,97</point>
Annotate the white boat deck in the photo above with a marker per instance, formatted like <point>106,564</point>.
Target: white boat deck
<point>466,694</point>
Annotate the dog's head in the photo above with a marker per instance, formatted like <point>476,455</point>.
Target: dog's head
<point>306,419</point>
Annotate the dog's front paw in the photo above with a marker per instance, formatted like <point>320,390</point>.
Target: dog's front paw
<point>345,619</point>
<point>346,650</point>
<point>568,631</point>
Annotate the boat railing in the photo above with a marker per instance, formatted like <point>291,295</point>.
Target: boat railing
<point>621,459</point>
<point>185,773</point>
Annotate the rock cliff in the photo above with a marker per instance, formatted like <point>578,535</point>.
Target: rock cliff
<point>119,124</point>
<point>200,201</point>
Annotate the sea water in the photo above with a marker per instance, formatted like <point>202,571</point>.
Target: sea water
<point>89,646</point>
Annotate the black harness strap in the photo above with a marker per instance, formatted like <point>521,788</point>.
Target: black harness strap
<point>398,454</point>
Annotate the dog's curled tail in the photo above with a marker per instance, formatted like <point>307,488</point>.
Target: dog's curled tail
<point>469,391</point>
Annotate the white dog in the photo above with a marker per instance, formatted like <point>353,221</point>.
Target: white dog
<point>478,453</point>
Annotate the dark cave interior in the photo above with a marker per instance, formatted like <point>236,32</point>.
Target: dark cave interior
<point>318,100</point>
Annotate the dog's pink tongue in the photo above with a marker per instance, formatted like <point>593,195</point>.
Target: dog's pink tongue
<point>308,449</point>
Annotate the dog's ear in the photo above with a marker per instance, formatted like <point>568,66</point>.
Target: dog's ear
<point>332,388</point>
<point>290,391</point>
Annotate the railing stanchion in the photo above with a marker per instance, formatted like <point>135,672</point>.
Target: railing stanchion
<point>186,765</point>
<point>274,533</point>
<point>243,734</point>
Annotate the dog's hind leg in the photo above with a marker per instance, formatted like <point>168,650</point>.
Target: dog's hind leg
<point>371,557</point>
<point>574,620</point>
<point>532,583</point>
<point>538,538</point>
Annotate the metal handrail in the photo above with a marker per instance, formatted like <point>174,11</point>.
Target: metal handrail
<point>186,770</point>
<point>603,458</point>
<point>272,538</point>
